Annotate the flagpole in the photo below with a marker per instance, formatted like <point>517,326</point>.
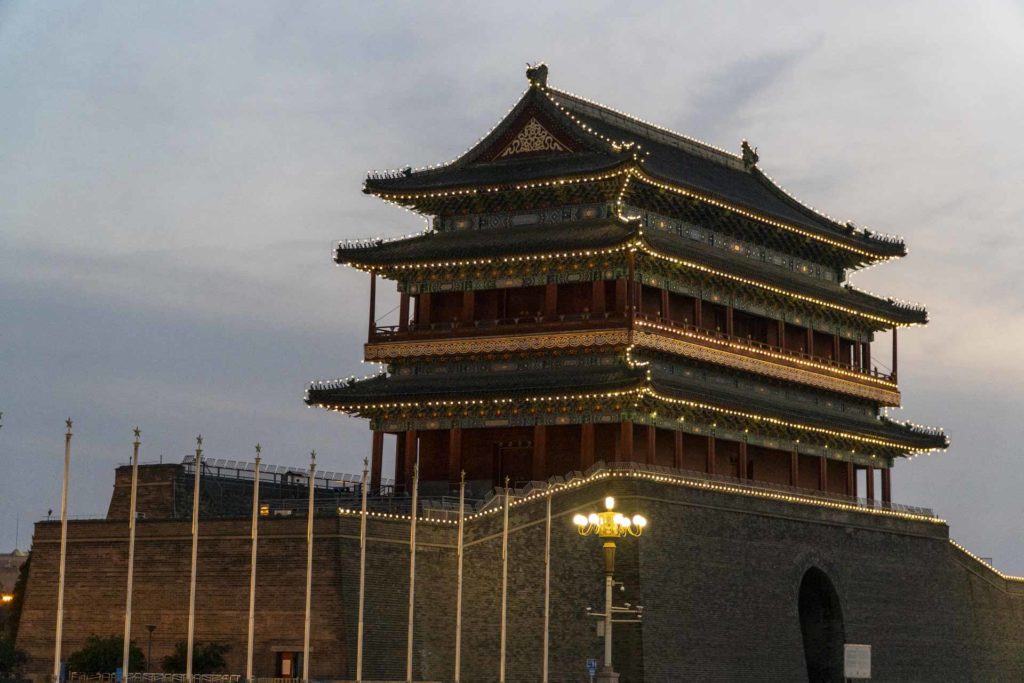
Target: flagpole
<point>309,564</point>
<point>547,588</point>
<point>198,466</point>
<point>131,558</point>
<point>63,552</point>
<point>458,581</point>
<point>362,576</point>
<point>412,569</point>
<point>252,564</point>
<point>504,585</point>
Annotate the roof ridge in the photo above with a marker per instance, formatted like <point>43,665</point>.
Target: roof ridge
<point>670,136</point>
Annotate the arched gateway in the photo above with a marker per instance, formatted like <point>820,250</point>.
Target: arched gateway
<point>821,624</point>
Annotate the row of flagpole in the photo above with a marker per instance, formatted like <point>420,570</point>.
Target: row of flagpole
<point>197,467</point>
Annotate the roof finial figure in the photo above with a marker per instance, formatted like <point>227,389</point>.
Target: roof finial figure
<point>537,74</point>
<point>749,155</point>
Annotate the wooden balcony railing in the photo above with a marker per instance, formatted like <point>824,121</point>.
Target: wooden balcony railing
<point>524,324</point>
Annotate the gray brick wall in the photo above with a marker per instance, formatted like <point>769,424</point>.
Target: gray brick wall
<point>718,573</point>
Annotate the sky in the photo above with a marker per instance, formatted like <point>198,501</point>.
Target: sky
<point>172,176</point>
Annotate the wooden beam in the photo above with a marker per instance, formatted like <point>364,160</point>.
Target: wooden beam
<point>742,465</point>
<point>871,483</point>
<point>887,485</point>
<point>652,444</point>
<point>822,473</point>
<point>710,464</point>
<point>851,480</point>
<point>540,453</point>
<point>865,350</point>
<point>376,460</point>
<point>677,459</point>
<point>729,320</point>
<point>664,305</point>
<point>810,341</point>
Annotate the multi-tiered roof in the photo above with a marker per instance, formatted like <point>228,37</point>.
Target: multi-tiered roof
<point>564,192</point>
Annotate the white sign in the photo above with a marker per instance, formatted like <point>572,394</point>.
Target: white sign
<point>857,661</point>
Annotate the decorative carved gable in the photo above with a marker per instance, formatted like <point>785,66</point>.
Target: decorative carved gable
<point>532,138</point>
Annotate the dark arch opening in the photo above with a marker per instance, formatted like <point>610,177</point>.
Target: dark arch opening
<point>821,623</point>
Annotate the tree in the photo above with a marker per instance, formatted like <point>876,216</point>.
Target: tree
<point>103,655</point>
<point>11,658</point>
<point>12,611</point>
<point>207,658</point>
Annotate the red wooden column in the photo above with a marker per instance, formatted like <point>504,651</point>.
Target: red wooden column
<point>865,355</point>
<point>710,465</point>
<point>729,326</point>
<point>631,286</point>
<point>400,459</point>
<point>742,465</point>
<point>677,459</point>
<point>835,347</point>
<point>540,453</point>
<point>621,296</point>
<point>376,460</point>
<point>597,297</point>
<point>626,441</point>
<point>373,307</point>
<point>468,301</point>
<point>410,455</point>
<point>822,473</point>
<point>794,469</point>
<point>664,305</point>
<point>851,480</point>
<point>454,454</point>
<point>871,483</point>
<point>423,311</point>
<point>810,341</point>
<point>586,445</point>
<point>895,365</point>
<point>652,453</point>
<point>551,300</point>
<point>887,485</point>
<point>403,312</point>
<point>782,334</point>
<point>698,313</point>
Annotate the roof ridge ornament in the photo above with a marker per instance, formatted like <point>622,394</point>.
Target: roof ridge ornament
<point>537,74</point>
<point>750,157</point>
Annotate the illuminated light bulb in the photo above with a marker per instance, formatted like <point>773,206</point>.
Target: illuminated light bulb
<point>609,503</point>
<point>640,521</point>
<point>580,520</point>
<point>594,519</point>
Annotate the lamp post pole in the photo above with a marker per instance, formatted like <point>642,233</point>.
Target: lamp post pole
<point>58,638</point>
<point>149,650</point>
<point>609,525</point>
<point>126,652</point>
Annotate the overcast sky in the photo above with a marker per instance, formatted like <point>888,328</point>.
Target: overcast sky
<point>172,175</point>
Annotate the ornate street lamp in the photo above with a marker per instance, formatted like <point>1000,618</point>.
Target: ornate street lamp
<point>609,525</point>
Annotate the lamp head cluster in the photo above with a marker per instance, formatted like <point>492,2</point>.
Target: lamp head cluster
<point>609,524</point>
